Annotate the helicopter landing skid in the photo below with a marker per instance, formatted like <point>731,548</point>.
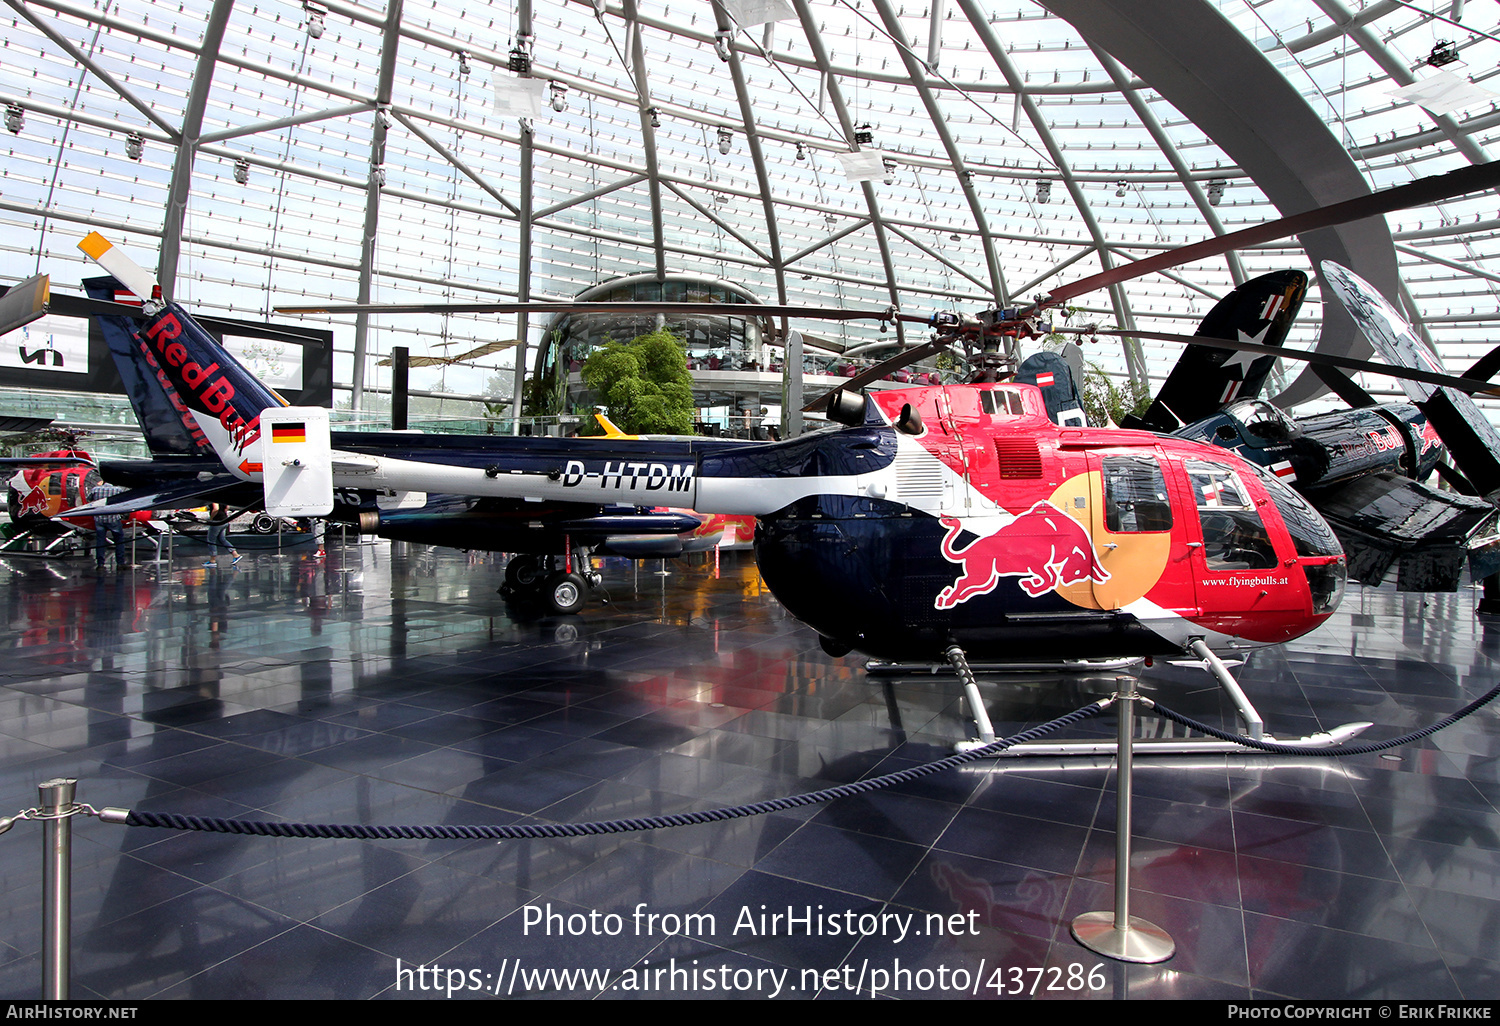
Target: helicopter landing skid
<point>885,668</point>
<point>1254,724</point>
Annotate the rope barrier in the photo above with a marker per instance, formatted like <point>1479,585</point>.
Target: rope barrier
<point>263,828</point>
<point>489,831</point>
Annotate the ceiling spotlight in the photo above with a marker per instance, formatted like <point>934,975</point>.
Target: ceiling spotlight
<point>15,117</point>
<point>655,117</point>
<point>801,152</point>
<point>463,63</point>
<point>134,145</point>
<point>520,60</point>
<point>242,171</point>
<point>377,175</point>
<point>890,170</point>
<point>315,19</point>
<point>1044,191</point>
<point>830,219</point>
<point>1443,52</point>
<point>721,44</point>
<point>383,117</point>
<point>1121,188</point>
<point>559,97</point>
<point>1216,191</point>
<point>864,135</point>
<point>955,237</point>
<point>726,140</point>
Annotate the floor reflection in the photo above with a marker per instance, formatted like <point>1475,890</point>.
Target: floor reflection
<point>395,685</point>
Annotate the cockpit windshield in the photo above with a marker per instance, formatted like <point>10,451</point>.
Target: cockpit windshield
<point>1264,424</point>
<point>1311,535</point>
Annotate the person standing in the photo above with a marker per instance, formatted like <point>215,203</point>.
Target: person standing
<point>108,525</point>
<point>218,534</point>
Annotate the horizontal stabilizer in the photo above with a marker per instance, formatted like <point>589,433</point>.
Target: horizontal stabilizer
<point>178,497</point>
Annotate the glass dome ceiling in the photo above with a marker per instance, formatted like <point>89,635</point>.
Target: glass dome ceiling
<point>248,150</point>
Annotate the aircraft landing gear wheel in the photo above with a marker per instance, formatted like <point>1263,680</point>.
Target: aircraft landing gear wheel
<point>263,523</point>
<point>565,593</point>
<point>524,571</point>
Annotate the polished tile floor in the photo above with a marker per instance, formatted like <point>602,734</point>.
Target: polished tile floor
<point>393,685</point>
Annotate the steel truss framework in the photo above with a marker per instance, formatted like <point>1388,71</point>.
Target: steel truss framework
<point>1024,143</point>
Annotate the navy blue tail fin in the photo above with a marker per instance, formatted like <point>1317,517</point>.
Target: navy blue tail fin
<point>169,427</point>
<point>1207,379</point>
<point>191,396</point>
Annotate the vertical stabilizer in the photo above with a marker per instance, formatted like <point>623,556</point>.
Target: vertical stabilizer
<point>1207,379</point>
<point>216,397</point>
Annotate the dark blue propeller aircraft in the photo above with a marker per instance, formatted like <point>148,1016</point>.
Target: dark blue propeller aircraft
<point>554,541</point>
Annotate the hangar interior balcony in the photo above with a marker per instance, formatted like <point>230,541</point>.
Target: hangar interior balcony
<point>737,363</point>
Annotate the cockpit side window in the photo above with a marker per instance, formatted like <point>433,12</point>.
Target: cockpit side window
<point>1234,536</point>
<point>1135,495</point>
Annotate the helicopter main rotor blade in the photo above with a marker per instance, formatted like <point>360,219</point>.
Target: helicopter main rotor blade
<point>1434,189</point>
<point>619,309</point>
<point>25,303</point>
<point>1343,386</point>
<point>1466,385</point>
<point>880,370</point>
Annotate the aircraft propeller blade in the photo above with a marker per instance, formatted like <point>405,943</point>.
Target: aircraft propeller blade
<point>1466,385</point>
<point>1451,475</point>
<point>1434,189</point>
<point>1485,367</point>
<point>25,302</point>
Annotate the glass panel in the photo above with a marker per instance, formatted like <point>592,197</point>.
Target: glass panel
<point>1234,537</point>
<point>1135,495</point>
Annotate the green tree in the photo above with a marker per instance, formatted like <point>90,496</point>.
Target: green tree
<point>644,384</point>
<point>1108,402</point>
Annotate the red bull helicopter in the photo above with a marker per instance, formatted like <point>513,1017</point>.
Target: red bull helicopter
<point>40,491</point>
<point>936,523</point>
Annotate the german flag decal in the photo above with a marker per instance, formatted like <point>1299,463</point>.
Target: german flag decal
<point>288,433</point>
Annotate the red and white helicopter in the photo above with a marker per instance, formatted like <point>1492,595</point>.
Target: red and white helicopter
<point>936,523</point>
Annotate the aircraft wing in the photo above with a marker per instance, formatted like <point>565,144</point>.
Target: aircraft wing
<point>1472,440</point>
<point>1386,520</point>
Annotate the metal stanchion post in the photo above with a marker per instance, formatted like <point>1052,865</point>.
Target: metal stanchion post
<point>1119,934</point>
<point>57,902</point>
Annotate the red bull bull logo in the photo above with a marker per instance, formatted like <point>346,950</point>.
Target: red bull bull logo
<point>1044,547</point>
<point>33,501</point>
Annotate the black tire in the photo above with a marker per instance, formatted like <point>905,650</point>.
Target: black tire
<point>523,571</point>
<point>565,593</point>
